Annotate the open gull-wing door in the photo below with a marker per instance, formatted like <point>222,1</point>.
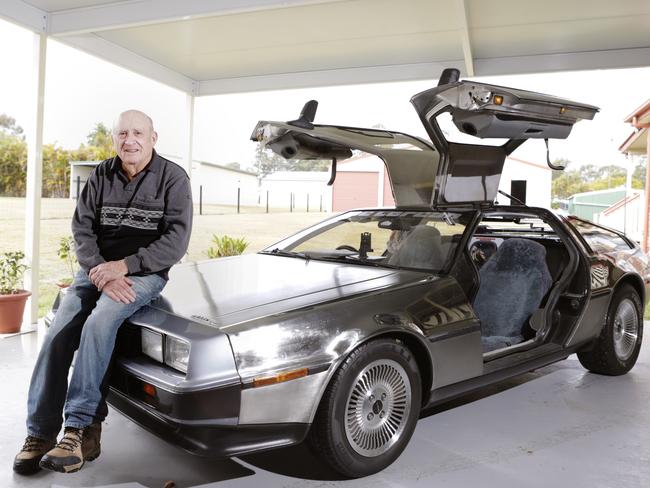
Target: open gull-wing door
<point>471,173</point>
<point>446,173</point>
<point>411,163</point>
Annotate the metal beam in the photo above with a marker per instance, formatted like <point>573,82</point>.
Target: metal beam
<point>618,58</point>
<point>106,50</point>
<point>24,15</point>
<point>461,8</point>
<point>607,59</point>
<point>345,76</point>
<point>35,179</point>
<point>120,15</point>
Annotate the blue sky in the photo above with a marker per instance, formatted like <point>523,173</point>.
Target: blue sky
<point>82,90</point>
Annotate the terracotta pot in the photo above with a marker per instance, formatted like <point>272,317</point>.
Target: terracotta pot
<point>11,311</point>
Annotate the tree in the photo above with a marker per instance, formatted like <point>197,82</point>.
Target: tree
<point>568,183</point>
<point>13,165</point>
<point>639,175</point>
<point>267,162</point>
<point>8,125</point>
<point>591,172</point>
<point>100,142</point>
<point>100,136</point>
<point>310,165</point>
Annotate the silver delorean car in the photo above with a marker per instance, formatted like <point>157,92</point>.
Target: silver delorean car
<point>344,332</point>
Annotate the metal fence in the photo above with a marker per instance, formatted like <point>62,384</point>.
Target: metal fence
<point>267,202</point>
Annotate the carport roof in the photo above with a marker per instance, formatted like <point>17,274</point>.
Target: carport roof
<point>205,47</point>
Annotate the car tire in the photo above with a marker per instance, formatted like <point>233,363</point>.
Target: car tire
<point>617,348</point>
<point>369,409</point>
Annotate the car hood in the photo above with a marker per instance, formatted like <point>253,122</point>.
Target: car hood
<point>227,291</point>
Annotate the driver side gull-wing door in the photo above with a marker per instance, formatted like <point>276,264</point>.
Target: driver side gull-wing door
<point>411,163</point>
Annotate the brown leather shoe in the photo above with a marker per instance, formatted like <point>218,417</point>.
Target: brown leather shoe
<point>67,455</point>
<point>26,461</point>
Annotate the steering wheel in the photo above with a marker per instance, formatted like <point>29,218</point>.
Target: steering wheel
<point>346,247</point>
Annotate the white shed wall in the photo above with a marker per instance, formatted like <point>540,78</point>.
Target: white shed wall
<point>626,218</point>
<point>220,185</point>
<point>81,172</point>
<point>302,185</point>
<point>538,186</point>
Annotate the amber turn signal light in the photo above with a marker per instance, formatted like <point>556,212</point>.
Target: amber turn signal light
<point>280,378</point>
<point>498,99</point>
<point>149,389</point>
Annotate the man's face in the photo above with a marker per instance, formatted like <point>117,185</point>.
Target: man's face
<point>134,139</point>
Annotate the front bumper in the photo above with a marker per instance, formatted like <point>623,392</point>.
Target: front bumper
<point>202,422</point>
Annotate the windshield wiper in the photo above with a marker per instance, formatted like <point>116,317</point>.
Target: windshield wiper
<point>349,258</point>
<point>289,254</point>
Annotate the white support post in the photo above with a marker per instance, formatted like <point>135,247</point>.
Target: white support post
<point>190,132</point>
<point>35,180</point>
<point>463,19</point>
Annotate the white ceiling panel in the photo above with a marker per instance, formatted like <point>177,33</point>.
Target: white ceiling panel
<point>600,34</point>
<point>206,46</point>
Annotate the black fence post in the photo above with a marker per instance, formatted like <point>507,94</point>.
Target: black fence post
<point>78,186</point>
<point>307,202</point>
<point>200,199</point>
<point>267,201</point>
<point>238,198</point>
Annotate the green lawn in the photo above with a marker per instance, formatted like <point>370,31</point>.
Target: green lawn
<point>258,228</point>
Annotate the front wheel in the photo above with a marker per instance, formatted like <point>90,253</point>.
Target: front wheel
<point>617,348</point>
<point>369,410</point>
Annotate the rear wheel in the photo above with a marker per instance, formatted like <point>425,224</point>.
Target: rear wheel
<point>617,348</point>
<point>369,410</point>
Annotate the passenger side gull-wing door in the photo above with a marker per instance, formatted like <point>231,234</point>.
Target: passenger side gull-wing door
<point>469,172</point>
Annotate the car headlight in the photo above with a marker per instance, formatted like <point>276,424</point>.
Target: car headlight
<point>172,351</point>
<point>152,344</point>
<point>177,353</point>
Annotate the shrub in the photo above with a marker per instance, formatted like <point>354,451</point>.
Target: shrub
<point>11,272</point>
<point>67,254</point>
<point>226,246</point>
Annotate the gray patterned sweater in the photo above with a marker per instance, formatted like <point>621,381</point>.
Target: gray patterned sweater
<point>146,221</point>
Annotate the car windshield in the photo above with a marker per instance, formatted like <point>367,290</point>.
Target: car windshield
<point>395,239</point>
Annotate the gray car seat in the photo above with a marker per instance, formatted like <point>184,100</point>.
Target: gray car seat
<point>513,283</point>
<point>421,248</point>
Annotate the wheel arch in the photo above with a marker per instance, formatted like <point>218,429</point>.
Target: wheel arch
<point>635,281</point>
<point>414,343</point>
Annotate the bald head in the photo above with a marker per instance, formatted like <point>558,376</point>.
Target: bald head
<point>133,114</point>
<point>134,139</point>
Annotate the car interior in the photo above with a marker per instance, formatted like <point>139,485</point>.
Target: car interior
<point>518,259</point>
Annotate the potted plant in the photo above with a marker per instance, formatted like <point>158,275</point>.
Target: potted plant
<point>66,253</point>
<point>12,296</point>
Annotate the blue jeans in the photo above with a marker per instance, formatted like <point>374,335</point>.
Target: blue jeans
<point>86,320</point>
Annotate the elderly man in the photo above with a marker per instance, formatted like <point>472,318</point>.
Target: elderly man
<point>132,223</point>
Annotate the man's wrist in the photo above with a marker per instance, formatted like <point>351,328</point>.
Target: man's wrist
<point>132,264</point>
